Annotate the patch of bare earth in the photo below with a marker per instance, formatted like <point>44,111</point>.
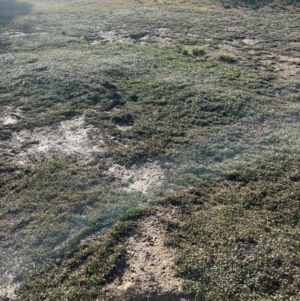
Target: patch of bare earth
<point>10,116</point>
<point>284,67</point>
<point>8,287</point>
<point>143,179</point>
<point>124,128</point>
<point>68,138</point>
<point>250,41</point>
<point>9,292</point>
<point>110,37</point>
<point>158,37</point>
<point>287,66</point>
<point>149,272</point>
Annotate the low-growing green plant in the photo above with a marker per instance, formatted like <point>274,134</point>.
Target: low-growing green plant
<point>98,262</point>
<point>198,50</point>
<point>185,51</point>
<point>225,57</point>
<point>239,233</point>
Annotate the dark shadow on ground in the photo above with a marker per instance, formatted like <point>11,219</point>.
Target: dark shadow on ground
<point>9,9</point>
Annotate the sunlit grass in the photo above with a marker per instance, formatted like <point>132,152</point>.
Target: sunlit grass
<point>75,7</point>
<point>206,121</point>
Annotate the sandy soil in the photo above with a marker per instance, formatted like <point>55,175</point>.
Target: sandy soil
<point>8,287</point>
<point>139,178</point>
<point>70,137</point>
<point>149,272</point>
<point>10,116</point>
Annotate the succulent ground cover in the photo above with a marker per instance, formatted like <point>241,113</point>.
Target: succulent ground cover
<point>134,130</point>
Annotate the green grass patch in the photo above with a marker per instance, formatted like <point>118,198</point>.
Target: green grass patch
<point>80,273</point>
<point>240,234</point>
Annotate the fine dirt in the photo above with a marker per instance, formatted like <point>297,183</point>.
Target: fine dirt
<point>70,137</point>
<point>8,290</point>
<point>148,273</point>
<point>10,116</point>
<point>139,178</point>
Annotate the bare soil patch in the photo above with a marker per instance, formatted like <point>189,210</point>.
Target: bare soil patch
<point>139,178</point>
<point>250,41</point>
<point>8,288</point>
<point>10,116</point>
<point>158,37</point>
<point>9,292</point>
<point>289,59</point>
<point>286,69</point>
<point>110,37</point>
<point>124,128</point>
<point>70,137</point>
<point>149,272</point>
